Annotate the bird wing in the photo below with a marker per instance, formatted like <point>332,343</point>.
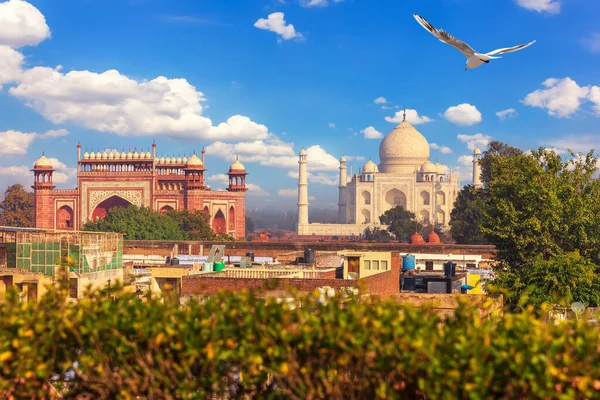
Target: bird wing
<point>510,49</point>
<point>445,37</point>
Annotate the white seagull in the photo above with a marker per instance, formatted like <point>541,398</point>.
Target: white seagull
<point>474,59</point>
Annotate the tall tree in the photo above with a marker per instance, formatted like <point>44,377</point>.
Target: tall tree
<point>401,222</point>
<point>17,208</point>
<point>467,215</point>
<point>378,235</point>
<point>195,224</point>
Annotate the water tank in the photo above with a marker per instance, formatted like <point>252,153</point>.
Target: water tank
<point>449,268</point>
<point>175,261</point>
<point>250,255</point>
<point>408,262</point>
<point>207,267</point>
<point>219,266</point>
<point>309,256</point>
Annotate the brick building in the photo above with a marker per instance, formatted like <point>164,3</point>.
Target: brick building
<point>112,179</point>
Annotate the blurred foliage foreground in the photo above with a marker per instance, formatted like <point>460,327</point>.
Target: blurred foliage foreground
<point>234,345</point>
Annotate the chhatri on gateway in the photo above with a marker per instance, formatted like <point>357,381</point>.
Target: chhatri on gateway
<point>405,177</point>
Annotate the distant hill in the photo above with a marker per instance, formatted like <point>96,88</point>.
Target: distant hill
<point>287,220</point>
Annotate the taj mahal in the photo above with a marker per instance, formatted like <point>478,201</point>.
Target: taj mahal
<point>405,177</point>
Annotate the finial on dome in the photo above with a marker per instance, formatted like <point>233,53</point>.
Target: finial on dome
<point>404,116</point>
<point>237,157</point>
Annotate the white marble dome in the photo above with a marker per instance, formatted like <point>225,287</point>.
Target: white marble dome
<point>428,168</point>
<point>403,150</point>
<point>370,167</point>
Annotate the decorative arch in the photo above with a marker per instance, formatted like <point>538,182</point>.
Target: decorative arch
<point>424,214</point>
<point>64,218</point>
<point>425,198</point>
<point>441,199</point>
<point>102,209</point>
<point>366,214</point>
<point>231,218</point>
<point>206,210</point>
<point>394,198</point>
<point>166,209</point>
<point>219,224</point>
<point>441,217</point>
<point>366,196</point>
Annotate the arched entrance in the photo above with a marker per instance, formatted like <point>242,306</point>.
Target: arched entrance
<point>395,198</point>
<point>231,218</point>
<point>64,218</point>
<point>166,209</point>
<point>103,208</point>
<point>219,224</point>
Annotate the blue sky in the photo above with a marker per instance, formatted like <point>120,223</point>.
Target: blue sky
<point>270,89</point>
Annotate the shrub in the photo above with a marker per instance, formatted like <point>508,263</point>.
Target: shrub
<point>114,345</point>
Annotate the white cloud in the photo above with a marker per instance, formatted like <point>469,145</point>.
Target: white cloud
<point>355,158</point>
<point>562,97</point>
<point>318,177</point>
<point>54,133</point>
<point>62,174</point>
<point>463,114</point>
<point>331,125</point>
<point>275,22</point>
<point>577,143</point>
<point>287,192</point>
<point>442,149</point>
<point>220,178</point>
<point>316,3</point>
<point>10,65</point>
<point>478,140</point>
<point>111,102</point>
<point>509,112</point>
<point>255,190</point>
<point>541,6</point>
<point>412,116</point>
<point>592,43</point>
<point>22,24</point>
<point>380,100</point>
<point>12,174</point>
<point>14,143</point>
<point>371,133</point>
<point>595,98</point>
<point>465,160</point>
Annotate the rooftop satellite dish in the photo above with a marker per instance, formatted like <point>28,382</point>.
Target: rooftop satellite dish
<point>578,308</point>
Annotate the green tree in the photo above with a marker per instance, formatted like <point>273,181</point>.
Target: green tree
<point>196,225</point>
<point>378,235</point>
<point>467,215</point>
<point>139,223</point>
<point>249,226</point>
<point>401,222</point>
<point>17,208</point>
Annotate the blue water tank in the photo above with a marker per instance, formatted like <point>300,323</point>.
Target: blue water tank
<point>408,262</point>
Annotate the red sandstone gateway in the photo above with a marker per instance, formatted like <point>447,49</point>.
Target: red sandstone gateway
<point>112,179</point>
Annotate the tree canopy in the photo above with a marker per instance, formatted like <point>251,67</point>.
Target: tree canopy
<point>139,223</point>
<point>467,215</point>
<point>17,208</point>
<point>401,222</point>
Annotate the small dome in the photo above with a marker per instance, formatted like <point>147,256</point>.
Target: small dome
<point>92,156</point>
<point>42,162</point>
<point>161,160</point>
<point>104,155</point>
<point>86,155</point>
<point>370,167</point>
<point>179,160</point>
<point>477,152</point>
<point>136,155</point>
<point>129,155</point>
<point>343,159</point>
<point>184,160</point>
<point>433,238</point>
<point>303,152</point>
<point>98,156</point>
<point>194,161</point>
<point>428,167</point>
<point>168,160</point>
<point>148,154</point>
<point>417,239</point>
<point>237,166</point>
<point>142,155</point>
<point>111,155</point>
<point>440,168</point>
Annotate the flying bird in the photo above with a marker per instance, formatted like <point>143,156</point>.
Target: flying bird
<point>474,59</point>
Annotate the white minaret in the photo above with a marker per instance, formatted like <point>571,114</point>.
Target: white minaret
<point>477,168</point>
<point>302,194</point>
<point>342,189</point>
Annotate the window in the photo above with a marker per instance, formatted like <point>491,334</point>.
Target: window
<point>367,264</point>
<point>375,264</point>
<point>428,265</point>
<point>384,265</point>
